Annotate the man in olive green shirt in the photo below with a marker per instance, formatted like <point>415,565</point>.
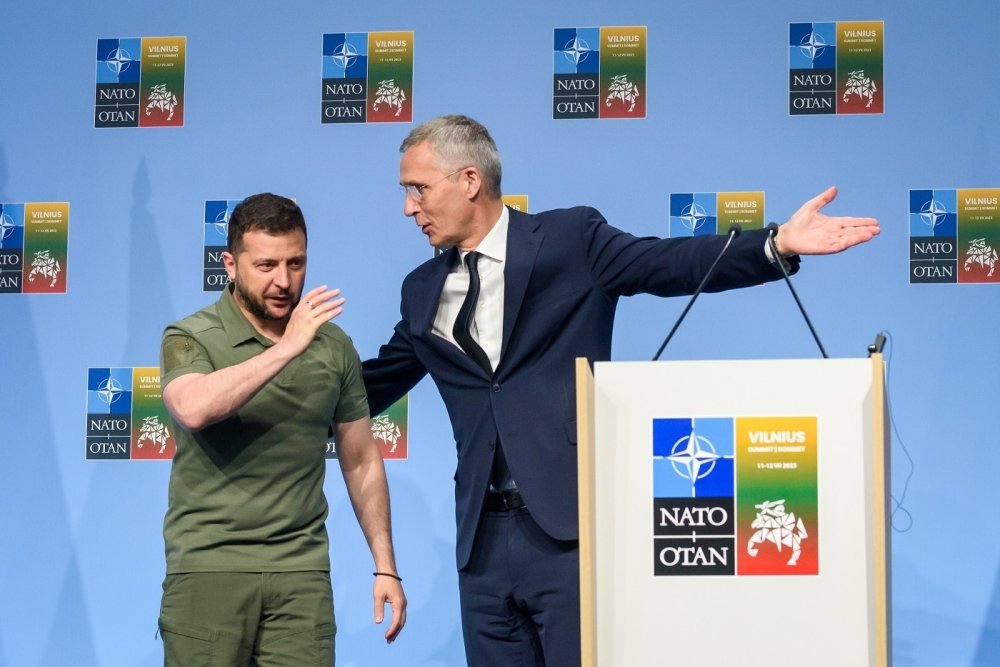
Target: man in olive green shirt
<point>252,383</point>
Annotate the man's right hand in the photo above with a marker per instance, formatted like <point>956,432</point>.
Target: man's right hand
<point>317,306</point>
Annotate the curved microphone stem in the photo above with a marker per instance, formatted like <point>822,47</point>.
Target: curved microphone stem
<point>734,231</point>
<point>772,232</point>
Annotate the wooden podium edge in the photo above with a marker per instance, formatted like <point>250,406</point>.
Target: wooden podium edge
<point>881,554</point>
<point>585,496</point>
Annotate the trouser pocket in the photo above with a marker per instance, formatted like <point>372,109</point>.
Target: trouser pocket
<point>186,645</point>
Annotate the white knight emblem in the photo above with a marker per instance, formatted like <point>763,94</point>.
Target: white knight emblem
<point>162,99</point>
<point>622,89</point>
<point>860,85</point>
<point>389,93</point>
<point>782,529</point>
<point>385,430</point>
<point>982,254</point>
<point>155,432</point>
<point>44,266</point>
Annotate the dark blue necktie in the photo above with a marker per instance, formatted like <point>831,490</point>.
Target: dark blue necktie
<point>500,475</point>
<point>463,324</point>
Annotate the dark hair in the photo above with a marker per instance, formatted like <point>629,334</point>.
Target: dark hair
<point>264,212</point>
<point>458,141</point>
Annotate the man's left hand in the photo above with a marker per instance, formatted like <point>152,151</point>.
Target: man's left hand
<point>387,589</point>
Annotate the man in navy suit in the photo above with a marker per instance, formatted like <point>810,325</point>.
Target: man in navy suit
<point>497,320</point>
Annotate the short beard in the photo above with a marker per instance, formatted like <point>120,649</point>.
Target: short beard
<point>256,308</point>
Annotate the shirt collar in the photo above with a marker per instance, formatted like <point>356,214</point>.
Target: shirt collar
<point>494,244</point>
<point>237,326</point>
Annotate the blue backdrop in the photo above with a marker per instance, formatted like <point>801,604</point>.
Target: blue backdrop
<point>81,554</point>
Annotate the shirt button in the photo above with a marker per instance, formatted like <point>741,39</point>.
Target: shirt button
<point>496,387</point>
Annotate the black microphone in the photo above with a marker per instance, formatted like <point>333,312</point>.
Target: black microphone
<point>734,231</point>
<point>772,233</point>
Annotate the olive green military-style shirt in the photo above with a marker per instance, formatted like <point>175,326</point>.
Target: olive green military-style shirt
<point>246,494</point>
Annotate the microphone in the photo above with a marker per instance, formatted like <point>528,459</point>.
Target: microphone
<point>772,233</point>
<point>734,231</point>
<point>878,345</point>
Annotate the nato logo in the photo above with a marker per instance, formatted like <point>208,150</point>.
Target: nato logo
<point>117,98</point>
<point>693,506</point>
<point>109,413</point>
<point>576,67</point>
<point>216,240</point>
<point>11,247</point>
<point>345,77</point>
<point>933,218</point>
<point>812,68</point>
<point>693,214</point>
<point>118,60</point>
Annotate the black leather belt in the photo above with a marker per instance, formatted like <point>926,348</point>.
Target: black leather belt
<point>504,501</point>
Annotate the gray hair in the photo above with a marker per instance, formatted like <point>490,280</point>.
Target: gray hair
<point>458,141</point>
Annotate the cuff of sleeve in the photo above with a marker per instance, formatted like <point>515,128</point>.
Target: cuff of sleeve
<point>777,260</point>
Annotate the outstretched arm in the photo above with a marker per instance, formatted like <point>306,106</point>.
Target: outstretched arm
<point>364,475</point>
<point>810,232</point>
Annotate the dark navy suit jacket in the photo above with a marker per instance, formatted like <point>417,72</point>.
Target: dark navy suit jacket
<point>564,273</point>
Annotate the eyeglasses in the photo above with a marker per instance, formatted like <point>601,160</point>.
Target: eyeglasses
<point>416,192</point>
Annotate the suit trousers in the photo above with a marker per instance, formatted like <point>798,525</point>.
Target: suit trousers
<point>520,595</point>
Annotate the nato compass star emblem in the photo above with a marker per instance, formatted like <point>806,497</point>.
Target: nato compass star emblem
<point>6,227</point>
<point>812,46</point>
<point>345,55</point>
<point>576,50</point>
<point>693,457</point>
<point>693,216</point>
<point>119,60</point>
<point>221,223</point>
<point>933,213</point>
<point>110,390</point>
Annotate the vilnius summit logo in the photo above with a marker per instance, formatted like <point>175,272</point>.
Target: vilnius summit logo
<point>126,417</point>
<point>836,68</point>
<point>735,496</point>
<point>599,72</point>
<point>367,77</point>
<point>140,82</point>
<point>34,247</point>
<point>955,235</point>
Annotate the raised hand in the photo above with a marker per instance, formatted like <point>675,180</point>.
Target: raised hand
<point>317,306</point>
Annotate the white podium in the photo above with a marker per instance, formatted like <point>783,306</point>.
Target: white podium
<point>733,513</point>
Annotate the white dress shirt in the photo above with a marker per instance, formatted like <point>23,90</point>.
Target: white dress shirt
<point>487,322</point>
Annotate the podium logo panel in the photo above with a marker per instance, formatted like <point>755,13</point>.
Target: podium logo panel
<point>734,496</point>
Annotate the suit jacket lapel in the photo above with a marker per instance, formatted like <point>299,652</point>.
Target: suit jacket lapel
<point>430,289</point>
<point>523,241</point>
